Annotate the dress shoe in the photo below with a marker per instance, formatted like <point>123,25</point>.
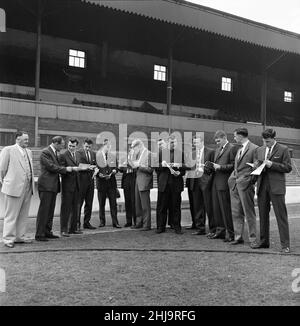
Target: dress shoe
<point>117,226</point>
<point>255,245</point>
<point>286,250</point>
<point>145,229</point>
<point>210,235</point>
<point>101,225</point>
<point>9,244</point>
<point>228,240</point>
<point>41,239</point>
<point>127,225</point>
<point>171,226</point>
<point>200,232</point>
<point>160,230</point>
<point>178,231</point>
<point>136,227</point>
<point>65,234</point>
<point>89,226</point>
<point>237,242</point>
<point>75,232</point>
<point>51,236</point>
<point>192,227</point>
<point>23,241</point>
<point>218,236</point>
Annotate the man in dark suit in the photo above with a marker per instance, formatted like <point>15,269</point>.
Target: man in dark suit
<point>143,184</point>
<point>128,185</point>
<point>106,183</point>
<point>199,183</point>
<point>87,185</point>
<point>241,185</point>
<point>271,188</point>
<point>48,187</point>
<point>223,166</point>
<point>70,190</point>
<point>170,185</point>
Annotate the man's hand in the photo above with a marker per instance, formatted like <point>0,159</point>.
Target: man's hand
<point>92,167</point>
<point>69,168</point>
<point>217,166</point>
<point>176,165</point>
<point>114,171</point>
<point>268,163</point>
<point>76,168</point>
<point>164,164</point>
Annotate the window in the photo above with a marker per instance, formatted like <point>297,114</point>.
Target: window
<point>226,84</point>
<point>76,58</point>
<point>160,72</point>
<point>288,97</point>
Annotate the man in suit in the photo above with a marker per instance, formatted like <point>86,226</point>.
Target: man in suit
<point>143,184</point>
<point>70,190</point>
<point>199,183</point>
<point>170,185</point>
<point>128,185</point>
<point>87,185</point>
<point>223,166</point>
<point>271,188</point>
<point>17,185</point>
<point>106,183</point>
<point>241,185</point>
<point>49,187</point>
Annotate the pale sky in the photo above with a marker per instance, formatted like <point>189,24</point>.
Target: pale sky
<point>284,14</point>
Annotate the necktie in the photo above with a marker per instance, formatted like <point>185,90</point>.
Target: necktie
<point>56,155</point>
<point>74,157</point>
<point>269,154</point>
<point>88,157</point>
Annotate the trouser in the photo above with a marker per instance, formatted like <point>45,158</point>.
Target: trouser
<point>169,198</point>
<point>111,193</point>
<point>16,211</point>
<point>143,207</point>
<point>190,195</point>
<point>265,196</point>
<point>44,220</point>
<point>242,205</point>
<point>69,211</point>
<point>222,212</point>
<point>129,196</point>
<point>86,196</point>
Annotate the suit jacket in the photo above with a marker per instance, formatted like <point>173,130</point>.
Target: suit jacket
<point>241,174</point>
<point>70,181</point>
<point>144,174</point>
<point>13,170</point>
<point>85,177</point>
<point>50,170</point>
<point>281,164</point>
<point>205,181</point>
<point>226,161</point>
<point>164,175</point>
<point>105,168</point>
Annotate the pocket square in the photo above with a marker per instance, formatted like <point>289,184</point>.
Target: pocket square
<point>276,156</point>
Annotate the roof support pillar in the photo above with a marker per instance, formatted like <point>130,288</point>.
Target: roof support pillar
<point>170,77</point>
<point>38,70</point>
<point>263,110</point>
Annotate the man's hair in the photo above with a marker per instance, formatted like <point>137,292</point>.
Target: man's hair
<point>220,134</point>
<point>242,131</point>
<point>57,140</point>
<point>73,140</point>
<point>88,141</point>
<point>20,133</point>
<point>136,142</point>
<point>269,133</point>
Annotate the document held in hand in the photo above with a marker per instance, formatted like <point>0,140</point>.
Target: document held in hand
<point>259,170</point>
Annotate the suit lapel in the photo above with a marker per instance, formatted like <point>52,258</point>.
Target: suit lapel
<point>275,150</point>
<point>71,157</point>
<point>245,151</point>
<point>53,155</point>
<point>20,157</point>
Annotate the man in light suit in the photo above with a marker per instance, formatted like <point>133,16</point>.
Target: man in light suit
<point>241,185</point>
<point>271,188</point>
<point>144,182</point>
<point>199,183</point>
<point>17,185</point>
<point>49,187</point>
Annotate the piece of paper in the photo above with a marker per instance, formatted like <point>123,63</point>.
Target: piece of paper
<point>84,166</point>
<point>251,164</point>
<point>259,170</point>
